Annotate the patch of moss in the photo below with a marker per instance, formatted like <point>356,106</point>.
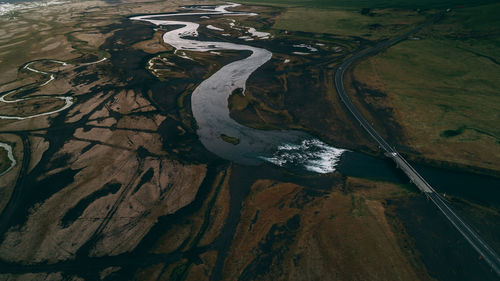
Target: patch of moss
<point>231,140</point>
<point>452,133</point>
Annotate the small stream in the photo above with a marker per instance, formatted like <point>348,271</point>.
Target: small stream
<point>68,101</point>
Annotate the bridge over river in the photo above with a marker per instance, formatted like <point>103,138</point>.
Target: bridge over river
<point>482,248</point>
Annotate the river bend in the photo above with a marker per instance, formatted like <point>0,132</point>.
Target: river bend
<point>209,101</point>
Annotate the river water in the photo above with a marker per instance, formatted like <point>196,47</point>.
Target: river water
<point>293,150</point>
<point>68,101</point>
<point>209,102</point>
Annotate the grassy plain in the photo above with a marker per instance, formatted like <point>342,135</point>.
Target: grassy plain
<point>439,89</point>
<point>348,21</point>
<point>443,88</point>
<point>401,4</point>
<point>384,18</point>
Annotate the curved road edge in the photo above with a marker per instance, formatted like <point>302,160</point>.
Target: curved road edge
<point>483,249</point>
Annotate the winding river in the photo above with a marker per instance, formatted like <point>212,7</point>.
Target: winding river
<point>68,101</point>
<point>209,101</point>
<point>4,98</point>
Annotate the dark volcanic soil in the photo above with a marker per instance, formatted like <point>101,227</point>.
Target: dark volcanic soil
<point>445,253</point>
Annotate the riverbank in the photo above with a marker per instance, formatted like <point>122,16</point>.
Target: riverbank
<point>121,185</point>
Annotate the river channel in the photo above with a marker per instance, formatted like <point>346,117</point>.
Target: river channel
<point>293,150</point>
<point>209,102</point>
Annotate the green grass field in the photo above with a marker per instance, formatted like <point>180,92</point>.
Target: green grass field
<point>444,87</point>
<point>442,84</point>
<point>386,17</point>
<point>402,4</point>
<point>348,21</point>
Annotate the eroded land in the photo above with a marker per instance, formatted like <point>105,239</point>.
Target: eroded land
<point>115,185</point>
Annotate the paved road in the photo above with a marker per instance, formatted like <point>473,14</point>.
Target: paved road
<point>483,249</point>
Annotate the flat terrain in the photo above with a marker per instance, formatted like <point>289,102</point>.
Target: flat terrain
<point>119,187</point>
<point>441,89</point>
<point>376,24</point>
<point>433,95</point>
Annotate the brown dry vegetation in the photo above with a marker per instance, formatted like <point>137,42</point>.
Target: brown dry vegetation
<point>288,232</point>
<point>108,181</point>
<point>292,232</point>
<point>119,187</point>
